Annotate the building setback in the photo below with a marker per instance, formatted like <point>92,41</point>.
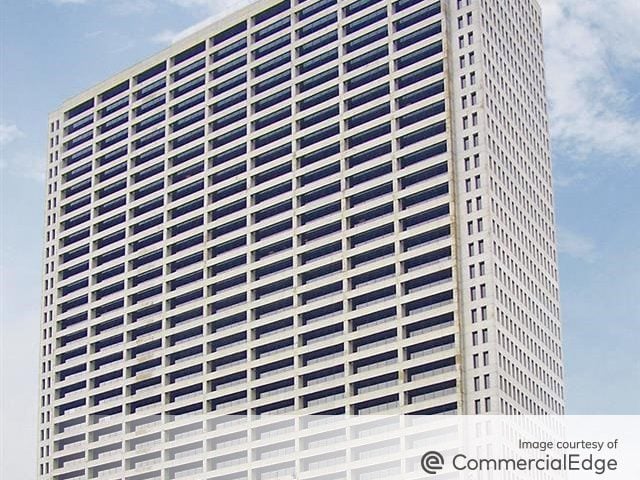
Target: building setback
<point>310,206</point>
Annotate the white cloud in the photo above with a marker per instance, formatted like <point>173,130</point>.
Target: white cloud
<point>564,180</point>
<point>216,8</point>
<point>24,165</point>
<point>17,161</point>
<point>8,133</point>
<point>591,52</point>
<point>195,3</point>
<point>576,245</point>
<point>118,7</point>
<point>94,34</point>
<point>167,37</point>
<point>140,6</point>
<point>132,7</point>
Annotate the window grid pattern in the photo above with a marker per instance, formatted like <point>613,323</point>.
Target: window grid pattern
<point>258,222</point>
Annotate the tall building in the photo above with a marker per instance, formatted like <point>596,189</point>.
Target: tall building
<point>318,206</point>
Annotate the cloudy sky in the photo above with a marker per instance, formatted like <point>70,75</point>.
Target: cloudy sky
<point>53,49</point>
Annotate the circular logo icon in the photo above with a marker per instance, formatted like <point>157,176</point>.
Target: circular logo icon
<point>432,462</point>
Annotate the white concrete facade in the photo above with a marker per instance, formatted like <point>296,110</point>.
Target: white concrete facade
<point>313,206</point>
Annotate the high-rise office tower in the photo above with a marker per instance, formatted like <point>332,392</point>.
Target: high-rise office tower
<point>308,206</point>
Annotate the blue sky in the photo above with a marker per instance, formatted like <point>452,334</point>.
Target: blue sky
<point>54,49</point>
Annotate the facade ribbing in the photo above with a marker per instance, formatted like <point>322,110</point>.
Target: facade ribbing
<point>309,206</point>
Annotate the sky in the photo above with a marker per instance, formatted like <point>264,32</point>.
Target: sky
<point>51,50</point>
